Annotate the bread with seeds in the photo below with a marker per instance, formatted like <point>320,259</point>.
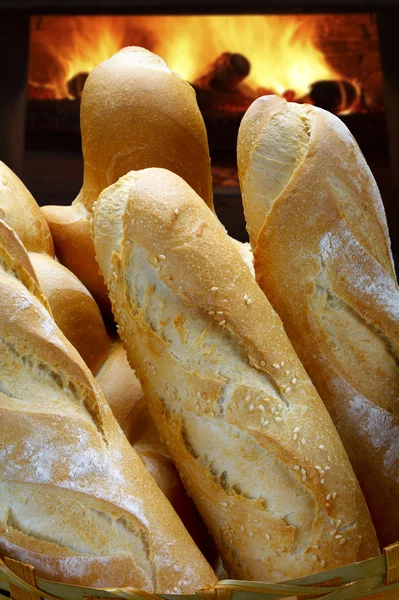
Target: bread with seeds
<point>76,502</point>
<point>251,438</point>
<point>322,256</point>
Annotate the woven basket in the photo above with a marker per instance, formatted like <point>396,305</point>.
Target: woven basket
<point>374,579</point>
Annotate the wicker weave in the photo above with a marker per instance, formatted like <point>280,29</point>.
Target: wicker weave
<point>373,579</point>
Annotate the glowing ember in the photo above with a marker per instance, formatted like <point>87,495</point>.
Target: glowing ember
<point>282,50</point>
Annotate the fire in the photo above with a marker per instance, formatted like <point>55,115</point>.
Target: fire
<point>282,50</point>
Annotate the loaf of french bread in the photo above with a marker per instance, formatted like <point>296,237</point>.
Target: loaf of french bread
<point>251,438</point>
<point>135,113</point>
<point>20,211</point>
<point>322,256</point>
<point>76,502</point>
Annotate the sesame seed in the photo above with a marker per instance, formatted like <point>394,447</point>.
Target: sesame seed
<point>314,557</point>
<point>323,563</point>
<point>303,441</point>
<point>338,537</point>
<point>282,363</point>
<point>293,380</point>
<point>251,407</point>
<point>278,419</point>
<point>248,398</point>
<point>316,546</point>
<point>246,297</point>
<point>341,542</point>
<point>334,496</point>
<point>211,413</point>
<point>176,211</point>
<point>321,473</point>
<point>222,322</point>
<point>242,527</point>
<point>211,312</point>
<point>328,505</point>
<point>280,406</point>
<point>333,532</point>
<point>327,468</point>
<point>267,536</point>
<point>322,481</point>
<point>297,429</point>
<point>224,504</point>
<point>262,363</point>
<point>303,471</point>
<point>251,534</point>
<point>339,523</point>
<point>295,437</point>
<point>288,389</point>
<point>329,459</point>
<point>304,478</point>
<point>276,366</point>
<point>219,312</point>
<point>296,468</point>
<point>328,497</point>
<point>128,241</point>
<point>321,447</point>
<point>208,401</point>
<point>161,256</point>
<point>261,407</point>
<point>214,289</point>
<point>287,373</point>
<point>249,301</point>
<point>266,423</point>
<point>318,467</point>
<point>262,420</point>
<point>273,409</point>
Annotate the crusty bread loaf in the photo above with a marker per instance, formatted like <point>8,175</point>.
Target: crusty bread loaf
<point>20,211</point>
<point>252,440</point>
<point>135,113</point>
<point>123,392</point>
<point>75,499</point>
<point>322,257</point>
<point>74,310</point>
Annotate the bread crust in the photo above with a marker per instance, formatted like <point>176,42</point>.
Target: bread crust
<point>258,454</point>
<point>322,257</point>
<point>74,310</point>
<point>75,499</point>
<point>20,211</point>
<point>135,113</point>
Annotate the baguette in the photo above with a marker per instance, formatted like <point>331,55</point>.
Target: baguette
<point>322,256</point>
<point>79,318</point>
<point>74,310</point>
<point>251,438</point>
<point>20,211</point>
<point>123,392</point>
<point>75,499</point>
<point>135,113</point>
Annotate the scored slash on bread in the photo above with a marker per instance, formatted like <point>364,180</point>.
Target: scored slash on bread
<point>322,256</point>
<point>252,440</point>
<point>76,501</point>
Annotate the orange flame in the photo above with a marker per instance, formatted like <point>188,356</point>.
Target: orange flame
<point>282,50</point>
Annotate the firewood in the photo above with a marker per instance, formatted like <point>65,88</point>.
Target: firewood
<point>75,85</point>
<point>335,96</point>
<point>225,73</point>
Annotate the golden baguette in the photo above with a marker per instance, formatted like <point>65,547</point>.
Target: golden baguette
<point>252,440</point>
<point>322,256</point>
<point>135,113</point>
<point>76,502</point>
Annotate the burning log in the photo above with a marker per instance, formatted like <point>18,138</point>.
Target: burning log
<point>335,96</point>
<point>40,91</point>
<point>225,73</point>
<point>75,85</point>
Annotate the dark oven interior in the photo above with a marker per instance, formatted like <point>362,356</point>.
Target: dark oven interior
<point>340,61</point>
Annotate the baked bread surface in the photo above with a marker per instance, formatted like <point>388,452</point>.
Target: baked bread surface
<point>75,499</point>
<point>252,440</point>
<point>322,256</point>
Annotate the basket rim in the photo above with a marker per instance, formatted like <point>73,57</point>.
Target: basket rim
<point>368,577</point>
